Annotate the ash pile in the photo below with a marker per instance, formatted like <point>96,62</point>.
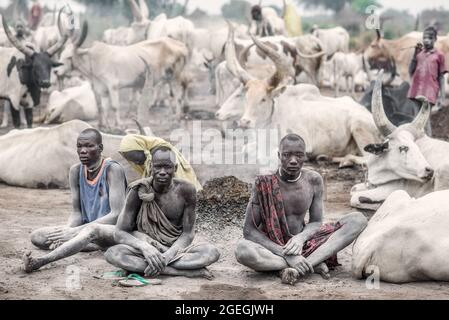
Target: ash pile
<point>221,203</point>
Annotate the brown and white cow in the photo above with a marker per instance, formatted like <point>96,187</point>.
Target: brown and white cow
<point>381,53</point>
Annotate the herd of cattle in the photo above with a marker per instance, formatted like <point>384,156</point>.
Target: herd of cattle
<point>259,80</point>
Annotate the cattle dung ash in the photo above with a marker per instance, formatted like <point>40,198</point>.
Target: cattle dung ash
<point>222,202</point>
<point>440,124</point>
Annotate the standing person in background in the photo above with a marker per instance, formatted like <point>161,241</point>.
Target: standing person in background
<point>426,71</point>
<point>35,15</point>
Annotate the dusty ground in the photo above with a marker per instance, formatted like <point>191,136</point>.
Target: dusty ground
<point>23,210</point>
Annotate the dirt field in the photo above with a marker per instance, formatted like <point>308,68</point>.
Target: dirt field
<point>23,210</point>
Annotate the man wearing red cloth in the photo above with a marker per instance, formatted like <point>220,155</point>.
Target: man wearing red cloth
<point>276,237</point>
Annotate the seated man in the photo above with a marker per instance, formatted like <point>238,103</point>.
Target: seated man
<point>156,227</point>
<point>275,234</point>
<point>98,188</point>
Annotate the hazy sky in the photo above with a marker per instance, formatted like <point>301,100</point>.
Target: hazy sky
<point>214,6</point>
<point>414,6</point>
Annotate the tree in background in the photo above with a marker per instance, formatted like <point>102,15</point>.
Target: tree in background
<point>334,5</point>
<point>337,5</point>
<point>236,9</point>
<point>360,6</point>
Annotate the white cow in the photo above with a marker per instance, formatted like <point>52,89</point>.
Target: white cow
<point>406,240</point>
<point>333,39</point>
<point>407,160</point>
<point>347,66</point>
<point>336,127</point>
<point>111,68</point>
<point>72,103</point>
<point>45,155</point>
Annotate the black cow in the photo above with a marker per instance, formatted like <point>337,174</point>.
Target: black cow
<point>34,71</point>
<point>398,108</point>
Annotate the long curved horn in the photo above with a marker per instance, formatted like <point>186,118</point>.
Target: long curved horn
<point>83,35</point>
<point>16,43</point>
<point>378,34</point>
<point>380,118</point>
<point>310,56</point>
<point>365,68</point>
<point>283,68</point>
<point>231,59</point>
<point>139,126</point>
<point>421,119</point>
<point>63,37</point>
<point>144,9</point>
<point>135,10</point>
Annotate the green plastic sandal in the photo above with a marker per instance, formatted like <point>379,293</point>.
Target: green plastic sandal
<point>134,280</point>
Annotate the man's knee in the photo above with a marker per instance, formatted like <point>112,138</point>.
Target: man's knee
<point>356,222</point>
<point>114,254</point>
<point>211,253</point>
<point>246,254</point>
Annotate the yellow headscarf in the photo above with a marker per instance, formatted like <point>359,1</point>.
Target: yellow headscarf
<point>292,20</point>
<point>135,142</point>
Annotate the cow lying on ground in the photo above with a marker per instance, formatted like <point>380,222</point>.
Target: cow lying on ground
<point>336,127</point>
<point>41,157</point>
<point>71,103</point>
<point>406,240</point>
<point>407,160</point>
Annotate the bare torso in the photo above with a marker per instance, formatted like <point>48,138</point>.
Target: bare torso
<point>298,197</point>
<point>172,203</point>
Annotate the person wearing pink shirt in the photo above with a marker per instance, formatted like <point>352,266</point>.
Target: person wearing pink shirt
<point>427,70</point>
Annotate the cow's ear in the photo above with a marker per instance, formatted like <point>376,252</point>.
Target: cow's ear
<point>376,148</point>
<point>277,91</point>
<point>11,65</point>
<point>55,64</point>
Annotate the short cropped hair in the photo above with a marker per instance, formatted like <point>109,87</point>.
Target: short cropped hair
<point>94,132</point>
<point>431,29</point>
<point>164,149</point>
<point>292,137</point>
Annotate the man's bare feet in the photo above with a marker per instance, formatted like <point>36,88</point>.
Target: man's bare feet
<point>29,263</point>
<point>322,270</point>
<point>289,276</point>
<point>197,273</point>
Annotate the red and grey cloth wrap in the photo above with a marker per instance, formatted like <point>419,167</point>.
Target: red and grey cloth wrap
<point>274,222</point>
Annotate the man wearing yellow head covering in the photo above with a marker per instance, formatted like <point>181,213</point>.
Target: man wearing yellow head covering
<point>292,20</point>
<point>136,149</point>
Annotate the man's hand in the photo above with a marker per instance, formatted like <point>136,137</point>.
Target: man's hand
<point>294,245</point>
<point>299,263</point>
<point>418,48</point>
<point>61,235</point>
<point>156,262</point>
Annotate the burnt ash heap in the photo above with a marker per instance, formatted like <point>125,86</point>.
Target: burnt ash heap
<point>440,124</point>
<point>221,203</point>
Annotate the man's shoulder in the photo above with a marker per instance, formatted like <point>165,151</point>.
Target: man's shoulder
<point>184,185</point>
<point>75,168</point>
<point>312,175</point>
<point>114,167</point>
